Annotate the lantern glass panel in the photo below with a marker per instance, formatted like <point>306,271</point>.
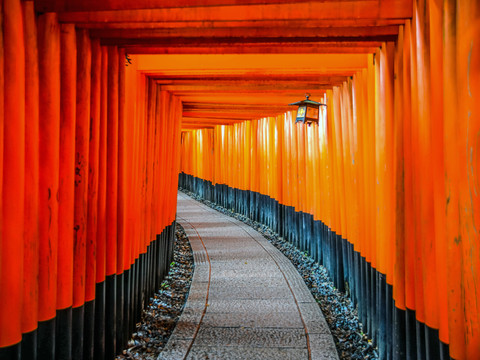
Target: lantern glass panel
<point>312,113</point>
<point>301,112</point>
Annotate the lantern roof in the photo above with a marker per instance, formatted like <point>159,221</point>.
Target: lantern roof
<point>307,101</point>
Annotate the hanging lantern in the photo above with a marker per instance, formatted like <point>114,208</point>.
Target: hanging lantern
<point>308,110</point>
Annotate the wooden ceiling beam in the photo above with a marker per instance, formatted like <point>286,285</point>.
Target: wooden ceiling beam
<point>261,33</point>
<point>359,9</point>
<point>95,5</point>
<point>330,48</point>
<point>269,65</point>
<point>252,88</point>
<point>266,24</point>
<point>240,82</point>
<point>225,43</point>
<point>259,78</point>
<point>193,106</point>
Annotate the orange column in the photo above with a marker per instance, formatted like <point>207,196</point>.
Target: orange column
<point>131,139</point>
<point>82,134</point>
<point>93,170</point>
<point>68,89</point>
<point>30,284</point>
<point>112,160</point>
<point>11,281</point>
<point>49,69</point>
<point>121,224</point>
<point>102,171</point>
<point>399,164</point>
<point>417,245</point>
<point>424,176</point>
<point>408,173</point>
<point>435,12</point>
<point>452,178</point>
<point>468,156</point>
<point>111,203</point>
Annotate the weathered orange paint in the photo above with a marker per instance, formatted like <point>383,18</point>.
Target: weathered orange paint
<point>82,135</point>
<point>112,160</point>
<point>49,70</point>
<point>435,14</point>
<point>14,181</point>
<point>66,186</point>
<point>122,170</point>
<point>468,122</point>
<point>31,226</point>
<point>93,171</point>
<point>101,251</point>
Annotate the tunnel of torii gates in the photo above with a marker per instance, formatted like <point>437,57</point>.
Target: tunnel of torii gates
<point>106,103</point>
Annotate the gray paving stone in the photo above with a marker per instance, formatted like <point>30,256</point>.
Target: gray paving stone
<point>254,320</point>
<point>175,349</point>
<point>239,292</point>
<point>322,347</point>
<point>251,306</point>
<point>313,318</point>
<point>210,336</point>
<point>242,353</point>
<point>245,282</point>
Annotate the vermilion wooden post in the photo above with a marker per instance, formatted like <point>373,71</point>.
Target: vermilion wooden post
<point>168,159</point>
<point>99,348</point>
<point>468,150</point>
<point>121,202</point>
<point>408,176</point>
<point>11,281</point>
<point>31,226</point>
<point>122,162</point>
<point>82,134</point>
<point>426,222</point>
<point>451,138</point>
<point>157,169</point>
<point>49,70</point>
<point>435,13</point>
<point>399,334</point>
<point>150,118</point>
<point>177,142</point>
<point>111,204</point>
<point>66,190</point>
<point>131,138</point>
<point>92,211</point>
<point>416,173</point>
<point>163,157</point>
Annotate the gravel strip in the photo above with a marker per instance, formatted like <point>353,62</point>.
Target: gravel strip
<point>341,316</point>
<point>166,306</point>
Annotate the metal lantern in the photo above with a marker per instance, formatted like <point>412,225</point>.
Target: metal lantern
<point>308,110</point>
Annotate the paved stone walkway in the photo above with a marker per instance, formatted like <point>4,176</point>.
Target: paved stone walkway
<point>246,301</point>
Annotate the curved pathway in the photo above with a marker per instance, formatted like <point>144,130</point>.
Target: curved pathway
<point>247,301</point>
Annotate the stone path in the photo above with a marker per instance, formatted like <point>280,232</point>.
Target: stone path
<point>246,301</point>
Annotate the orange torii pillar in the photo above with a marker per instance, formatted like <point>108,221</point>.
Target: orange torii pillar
<point>76,260</point>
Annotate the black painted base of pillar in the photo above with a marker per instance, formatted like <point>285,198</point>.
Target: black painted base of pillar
<point>46,340</point>
<point>88,330</point>
<point>110,316</point>
<point>396,332</point>
<point>78,316</point>
<point>63,340</point>
<point>29,345</point>
<point>11,352</point>
<point>99,329</point>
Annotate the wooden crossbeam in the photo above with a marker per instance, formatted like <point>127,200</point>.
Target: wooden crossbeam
<point>359,9</point>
